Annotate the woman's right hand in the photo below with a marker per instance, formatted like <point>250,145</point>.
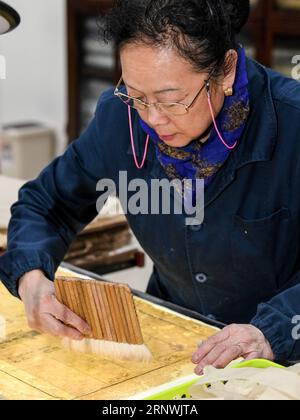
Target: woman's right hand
<point>45,313</point>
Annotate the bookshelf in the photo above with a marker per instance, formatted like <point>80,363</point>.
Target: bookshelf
<point>92,67</point>
<point>272,36</point>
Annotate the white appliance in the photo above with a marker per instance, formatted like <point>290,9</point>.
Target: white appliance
<point>25,150</point>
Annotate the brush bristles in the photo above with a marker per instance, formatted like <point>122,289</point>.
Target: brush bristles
<point>110,311</point>
<point>2,329</point>
<point>123,351</point>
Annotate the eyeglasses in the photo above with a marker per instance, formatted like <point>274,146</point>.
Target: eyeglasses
<point>169,108</point>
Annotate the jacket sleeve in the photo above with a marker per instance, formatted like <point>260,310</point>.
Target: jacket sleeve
<point>52,209</point>
<point>279,320</point>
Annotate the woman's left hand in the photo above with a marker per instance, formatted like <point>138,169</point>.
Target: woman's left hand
<point>232,342</point>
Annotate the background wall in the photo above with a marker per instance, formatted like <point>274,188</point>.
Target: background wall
<point>35,88</point>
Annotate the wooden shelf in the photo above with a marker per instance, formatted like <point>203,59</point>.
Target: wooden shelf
<point>89,7</point>
<point>78,11</point>
<point>266,23</point>
<point>98,73</point>
<point>286,23</point>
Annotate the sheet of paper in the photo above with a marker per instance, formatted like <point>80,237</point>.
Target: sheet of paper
<point>35,366</point>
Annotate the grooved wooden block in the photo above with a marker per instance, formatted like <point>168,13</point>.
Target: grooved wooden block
<point>108,308</point>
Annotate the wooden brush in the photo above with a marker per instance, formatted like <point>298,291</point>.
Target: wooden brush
<point>110,311</point>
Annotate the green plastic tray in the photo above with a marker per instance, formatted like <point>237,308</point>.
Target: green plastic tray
<point>181,387</point>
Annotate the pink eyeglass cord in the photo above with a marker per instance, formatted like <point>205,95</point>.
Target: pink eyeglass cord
<point>148,137</point>
<point>214,120</point>
<point>132,143</point>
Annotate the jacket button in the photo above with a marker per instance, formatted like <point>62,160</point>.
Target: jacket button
<point>201,278</point>
<point>196,228</point>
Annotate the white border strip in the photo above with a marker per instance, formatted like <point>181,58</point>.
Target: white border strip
<point>164,387</point>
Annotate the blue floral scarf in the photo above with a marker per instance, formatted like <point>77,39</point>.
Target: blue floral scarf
<point>203,161</point>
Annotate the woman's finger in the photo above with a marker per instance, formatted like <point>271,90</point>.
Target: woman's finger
<point>231,354</point>
<point>220,356</point>
<point>211,357</point>
<point>54,327</point>
<point>64,314</point>
<point>253,355</point>
<point>208,345</point>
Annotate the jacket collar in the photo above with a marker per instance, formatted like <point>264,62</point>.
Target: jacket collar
<point>256,145</point>
<point>260,136</point>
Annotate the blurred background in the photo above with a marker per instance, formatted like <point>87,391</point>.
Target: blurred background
<point>53,68</point>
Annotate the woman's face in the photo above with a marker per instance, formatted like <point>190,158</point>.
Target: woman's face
<point>161,75</point>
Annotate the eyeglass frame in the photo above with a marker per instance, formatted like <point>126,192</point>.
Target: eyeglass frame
<point>155,104</point>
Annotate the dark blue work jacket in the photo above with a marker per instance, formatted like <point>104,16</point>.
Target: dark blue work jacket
<point>241,266</point>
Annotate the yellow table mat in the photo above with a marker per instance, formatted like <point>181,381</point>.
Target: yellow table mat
<point>35,366</point>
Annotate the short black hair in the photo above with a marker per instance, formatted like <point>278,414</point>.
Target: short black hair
<point>201,31</point>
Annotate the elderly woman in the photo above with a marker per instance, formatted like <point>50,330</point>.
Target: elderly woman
<point>190,106</point>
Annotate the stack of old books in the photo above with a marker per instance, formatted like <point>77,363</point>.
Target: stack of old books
<point>105,246</point>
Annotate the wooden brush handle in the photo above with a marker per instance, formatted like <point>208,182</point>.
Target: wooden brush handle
<point>86,306</point>
<point>130,328</point>
<point>108,308</point>
<point>96,316</point>
<point>124,320</point>
<point>113,308</point>
<point>133,316</point>
<point>58,292</point>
